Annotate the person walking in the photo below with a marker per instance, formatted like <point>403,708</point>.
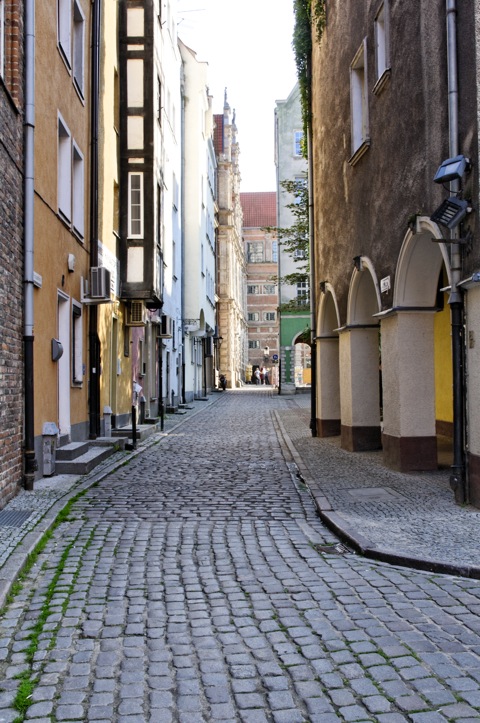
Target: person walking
<point>256,374</point>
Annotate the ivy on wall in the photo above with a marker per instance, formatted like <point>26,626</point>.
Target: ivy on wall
<point>310,18</point>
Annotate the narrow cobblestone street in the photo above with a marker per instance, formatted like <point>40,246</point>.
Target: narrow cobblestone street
<point>196,583</point>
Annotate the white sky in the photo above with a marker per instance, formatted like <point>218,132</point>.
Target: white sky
<point>248,47</point>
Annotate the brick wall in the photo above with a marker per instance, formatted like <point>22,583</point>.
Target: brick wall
<point>11,256</point>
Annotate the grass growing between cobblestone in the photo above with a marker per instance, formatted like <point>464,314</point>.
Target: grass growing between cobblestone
<point>28,678</point>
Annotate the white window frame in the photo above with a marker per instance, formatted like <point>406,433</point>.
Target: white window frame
<point>2,38</point>
<point>64,169</point>
<point>78,47</point>
<point>382,46</point>
<point>297,143</point>
<point>253,289</point>
<point>274,252</point>
<point>77,344</point>
<point>303,293</point>
<point>138,217</point>
<point>64,29</point>
<point>269,316</point>
<point>253,344</point>
<point>78,191</point>
<point>359,103</point>
<point>269,289</point>
<point>255,252</point>
<point>253,316</point>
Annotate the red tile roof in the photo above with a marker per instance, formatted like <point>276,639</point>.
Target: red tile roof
<point>259,209</point>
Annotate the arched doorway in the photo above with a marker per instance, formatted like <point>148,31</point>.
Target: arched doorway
<point>360,362</point>
<point>417,376</point>
<point>328,377</point>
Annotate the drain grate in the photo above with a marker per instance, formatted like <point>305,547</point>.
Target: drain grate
<point>14,518</point>
<point>335,549</point>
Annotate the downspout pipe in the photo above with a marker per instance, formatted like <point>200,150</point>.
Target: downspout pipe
<point>94,342</point>
<point>311,234</point>
<point>457,477</point>
<point>30,463</point>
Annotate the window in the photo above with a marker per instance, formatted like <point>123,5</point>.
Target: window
<point>64,25</point>
<point>255,252</point>
<point>253,316</point>
<point>255,344</point>
<point>2,38</point>
<point>78,47</point>
<point>64,170</point>
<point>142,357</point>
<point>135,205</point>
<point>275,251</point>
<point>299,254</point>
<point>269,316</point>
<point>77,344</point>
<point>78,192</point>
<point>253,289</point>
<point>297,141</point>
<point>382,54</point>
<point>359,104</point>
<point>269,289</point>
<point>302,293</point>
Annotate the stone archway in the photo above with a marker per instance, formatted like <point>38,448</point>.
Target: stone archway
<point>328,375</point>
<point>413,335</point>
<point>360,362</point>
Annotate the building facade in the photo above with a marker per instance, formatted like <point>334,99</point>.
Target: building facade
<point>11,249</point>
<point>150,210</point>
<point>294,313</point>
<point>231,263</point>
<point>199,230</point>
<point>261,250</point>
<point>61,217</point>
<point>395,288</point>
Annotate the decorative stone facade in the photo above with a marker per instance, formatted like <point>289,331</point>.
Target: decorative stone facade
<point>261,250</point>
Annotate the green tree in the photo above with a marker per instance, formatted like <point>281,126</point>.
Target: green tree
<point>294,239</point>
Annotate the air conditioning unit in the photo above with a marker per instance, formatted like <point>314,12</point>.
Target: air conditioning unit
<point>99,283</point>
<point>136,314</point>
<point>165,328</point>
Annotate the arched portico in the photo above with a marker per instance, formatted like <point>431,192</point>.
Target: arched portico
<point>414,334</point>
<point>328,376</point>
<point>359,362</point>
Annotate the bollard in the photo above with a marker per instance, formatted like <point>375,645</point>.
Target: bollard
<point>134,427</point>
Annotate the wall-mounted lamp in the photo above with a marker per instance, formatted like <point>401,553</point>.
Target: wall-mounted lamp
<point>57,350</point>
<point>357,262</point>
<point>71,263</point>
<point>323,287</point>
<point>452,169</point>
<point>450,212</point>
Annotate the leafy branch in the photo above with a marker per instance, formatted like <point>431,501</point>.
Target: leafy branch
<point>294,239</point>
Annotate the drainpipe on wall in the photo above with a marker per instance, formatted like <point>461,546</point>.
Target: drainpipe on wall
<point>28,338</point>
<point>311,235</point>
<point>457,477</point>
<point>94,341</point>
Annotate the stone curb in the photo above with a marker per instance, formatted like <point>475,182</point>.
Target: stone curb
<point>17,561</point>
<point>354,539</point>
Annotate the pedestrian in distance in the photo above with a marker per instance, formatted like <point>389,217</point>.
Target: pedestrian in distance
<point>256,374</point>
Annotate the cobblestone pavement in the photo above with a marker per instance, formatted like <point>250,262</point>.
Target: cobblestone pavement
<point>392,515</point>
<point>196,583</point>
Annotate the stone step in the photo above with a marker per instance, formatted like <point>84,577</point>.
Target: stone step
<point>143,431</point>
<point>72,450</point>
<point>85,462</point>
